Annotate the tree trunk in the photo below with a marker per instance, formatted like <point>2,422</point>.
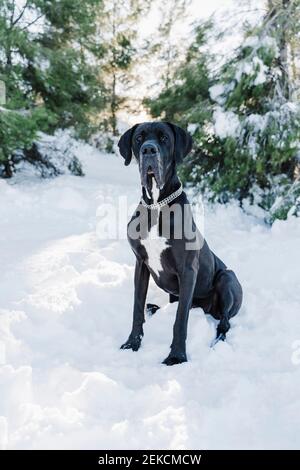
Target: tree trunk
<point>283,51</point>
<point>278,17</point>
<point>113,107</point>
<point>8,169</point>
<point>113,104</point>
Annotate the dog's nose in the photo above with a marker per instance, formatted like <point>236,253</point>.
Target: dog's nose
<point>149,149</point>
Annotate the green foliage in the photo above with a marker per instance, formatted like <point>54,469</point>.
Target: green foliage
<point>17,132</point>
<point>284,198</point>
<point>117,32</point>
<point>46,62</point>
<point>180,102</point>
<point>265,141</point>
<point>59,68</point>
<point>246,126</point>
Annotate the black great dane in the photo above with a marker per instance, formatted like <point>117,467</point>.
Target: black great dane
<point>182,265</point>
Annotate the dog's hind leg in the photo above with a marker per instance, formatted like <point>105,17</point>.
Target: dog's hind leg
<point>173,298</point>
<point>151,309</point>
<point>230,295</point>
<point>224,324</point>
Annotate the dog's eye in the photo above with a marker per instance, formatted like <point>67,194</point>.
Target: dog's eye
<point>164,138</point>
<point>139,138</point>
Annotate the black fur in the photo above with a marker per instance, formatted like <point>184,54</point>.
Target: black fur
<point>194,278</point>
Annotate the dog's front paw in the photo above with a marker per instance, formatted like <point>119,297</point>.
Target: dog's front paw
<point>175,358</point>
<point>133,342</point>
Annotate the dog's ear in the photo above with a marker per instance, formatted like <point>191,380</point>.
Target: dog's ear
<point>183,142</point>
<point>125,144</point>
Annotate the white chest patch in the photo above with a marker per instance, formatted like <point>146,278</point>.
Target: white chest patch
<point>155,193</point>
<point>154,246</point>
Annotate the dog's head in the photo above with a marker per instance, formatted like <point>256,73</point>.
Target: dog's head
<point>157,147</point>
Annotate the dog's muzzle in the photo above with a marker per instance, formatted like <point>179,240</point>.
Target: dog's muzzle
<point>150,165</point>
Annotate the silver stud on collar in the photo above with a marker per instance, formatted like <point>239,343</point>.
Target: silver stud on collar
<point>165,201</point>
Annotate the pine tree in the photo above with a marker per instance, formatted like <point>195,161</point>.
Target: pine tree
<point>255,121</point>
<point>187,87</point>
<point>117,29</point>
<point>166,48</point>
<point>19,119</point>
<point>59,66</point>
<point>246,132</point>
<point>45,62</point>
<point>187,102</point>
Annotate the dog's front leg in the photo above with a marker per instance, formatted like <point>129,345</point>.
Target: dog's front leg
<point>187,282</point>
<point>141,281</point>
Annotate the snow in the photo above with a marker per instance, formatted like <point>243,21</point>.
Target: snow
<point>57,156</point>
<point>256,42</point>
<point>192,128</point>
<point>262,71</point>
<point>66,307</point>
<point>257,121</point>
<point>42,63</point>
<point>219,91</point>
<point>216,91</point>
<point>255,67</point>
<point>226,123</point>
<point>291,107</point>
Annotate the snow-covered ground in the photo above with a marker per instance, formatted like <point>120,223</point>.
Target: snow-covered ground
<point>66,303</point>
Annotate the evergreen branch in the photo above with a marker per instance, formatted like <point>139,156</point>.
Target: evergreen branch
<point>12,13</point>
<point>32,22</point>
<point>21,14</point>
<point>21,112</point>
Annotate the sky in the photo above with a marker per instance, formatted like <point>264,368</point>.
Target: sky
<point>197,9</point>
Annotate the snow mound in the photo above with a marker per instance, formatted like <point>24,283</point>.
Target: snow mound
<point>50,155</point>
<point>226,123</point>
